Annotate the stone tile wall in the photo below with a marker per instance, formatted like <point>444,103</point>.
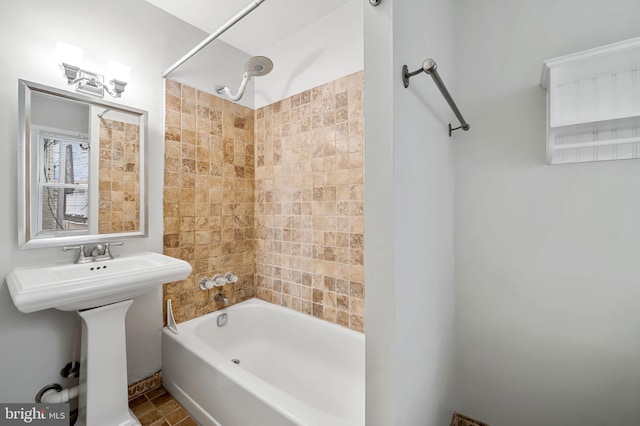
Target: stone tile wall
<point>286,212</point>
<point>208,196</point>
<point>310,202</point>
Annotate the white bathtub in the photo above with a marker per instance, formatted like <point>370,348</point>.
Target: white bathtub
<point>293,369</point>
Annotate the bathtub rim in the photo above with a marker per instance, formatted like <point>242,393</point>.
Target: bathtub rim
<point>272,306</point>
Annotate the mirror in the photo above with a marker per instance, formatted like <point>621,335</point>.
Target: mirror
<point>82,169</point>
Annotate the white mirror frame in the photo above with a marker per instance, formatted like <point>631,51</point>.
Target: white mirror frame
<point>25,211</point>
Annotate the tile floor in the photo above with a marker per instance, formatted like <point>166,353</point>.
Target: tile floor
<point>158,408</point>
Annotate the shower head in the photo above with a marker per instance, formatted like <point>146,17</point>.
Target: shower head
<point>256,66</point>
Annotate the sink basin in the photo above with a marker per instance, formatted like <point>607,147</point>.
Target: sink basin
<point>74,287</point>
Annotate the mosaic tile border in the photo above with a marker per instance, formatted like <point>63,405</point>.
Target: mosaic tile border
<point>458,419</point>
<point>145,385</point>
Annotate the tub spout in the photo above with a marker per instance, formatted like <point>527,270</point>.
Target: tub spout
<point>220,298</point>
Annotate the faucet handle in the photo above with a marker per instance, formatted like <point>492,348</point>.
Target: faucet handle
<point>107,248</point>
<point>230,277</point>
<point>80,247</point>
<point>219,280</point>
<point>82,255</point>
<point>206,284</point>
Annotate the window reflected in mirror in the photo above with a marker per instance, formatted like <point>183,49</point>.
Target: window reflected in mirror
<point>63,184</point>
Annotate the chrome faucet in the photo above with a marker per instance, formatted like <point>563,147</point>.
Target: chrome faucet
<point>98,250</point>
<point>219,297</point>
<point>218,280</point>
<point>101,251</point>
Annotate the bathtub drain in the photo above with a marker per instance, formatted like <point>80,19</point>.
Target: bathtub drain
<point>235,361</point>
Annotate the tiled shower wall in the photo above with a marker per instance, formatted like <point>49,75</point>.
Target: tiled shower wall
<point>119,185</point>
<point>208,196</point>
<point>307,248</point>
<point>310,202</point>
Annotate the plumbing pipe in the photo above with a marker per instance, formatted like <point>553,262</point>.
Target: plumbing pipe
<point>53,396</point>
<point>76,344</point>
<point>230,94</point>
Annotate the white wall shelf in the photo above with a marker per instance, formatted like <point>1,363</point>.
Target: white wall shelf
<point>593,104</point>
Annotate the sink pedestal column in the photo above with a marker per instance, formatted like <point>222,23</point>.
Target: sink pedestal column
<point>103,371</point>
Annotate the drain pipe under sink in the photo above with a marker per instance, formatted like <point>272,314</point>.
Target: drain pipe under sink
<point>54,394</point>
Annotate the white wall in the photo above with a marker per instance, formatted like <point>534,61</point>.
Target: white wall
<point>409,215</point>
<point>547,271</point>
<point>35,346</point>
<point>327,50</point>
<point>379,265</point>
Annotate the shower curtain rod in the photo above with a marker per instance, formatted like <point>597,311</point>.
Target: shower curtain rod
<point>244,12</point>
<point>430,67</point>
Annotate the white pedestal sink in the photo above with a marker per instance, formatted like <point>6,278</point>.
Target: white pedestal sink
<point>101,293</point>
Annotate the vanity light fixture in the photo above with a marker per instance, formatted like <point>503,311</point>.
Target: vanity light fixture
<point>92,83</point>
<point>89,82</point>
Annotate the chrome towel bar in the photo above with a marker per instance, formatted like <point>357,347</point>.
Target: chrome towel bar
<point>430,67</point>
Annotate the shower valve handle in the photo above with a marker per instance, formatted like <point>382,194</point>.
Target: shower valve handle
<point>206,284</point>
<point>219,280</point>
<point>230,277</point>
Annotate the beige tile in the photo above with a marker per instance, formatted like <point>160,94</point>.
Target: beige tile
<point>307,162</point>
<point>157,407</point>
<point>193,188</point>
<point>150,418</point>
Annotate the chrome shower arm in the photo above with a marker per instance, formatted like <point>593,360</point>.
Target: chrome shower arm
<point>237,96</point>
